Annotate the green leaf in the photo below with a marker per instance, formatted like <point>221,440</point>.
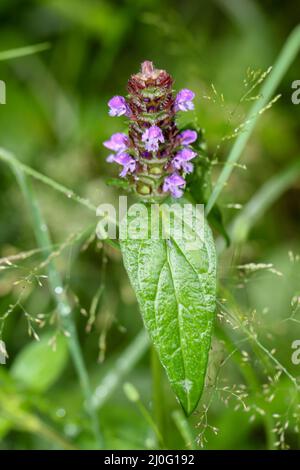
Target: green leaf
<point>37,366</point>
<point>176,288</point>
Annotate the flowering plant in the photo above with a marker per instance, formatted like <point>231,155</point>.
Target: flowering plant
<point>174,279</point>
<point>155,156</point>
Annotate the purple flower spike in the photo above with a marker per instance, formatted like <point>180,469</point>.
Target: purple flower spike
<point>187,137</point>
<point>181,161</point>
<point>118,106</point>
<point>174,184</point>
<point>154,155</point>
<point>128,163</point>
<point>118,142</point>
<point>152,136</point>
<point>183,101</point>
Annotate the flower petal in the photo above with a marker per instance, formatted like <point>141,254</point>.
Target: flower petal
<point>174,184</point>
<point>184,100</point>
<point>118,142</point>
<point>187,137</point>
<point>118,106</point>
<point>152,136</point>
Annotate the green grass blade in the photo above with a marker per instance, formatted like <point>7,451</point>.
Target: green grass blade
<point>9,158</point>
<point>262,200</point>
<point>123,365</point>
<point>260,203</point>
<point>184,429</point>
<point>63,307</point>
<point>285,58</point>
<point>24,51</point>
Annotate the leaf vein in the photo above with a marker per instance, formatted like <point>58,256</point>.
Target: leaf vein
<point>178,320</point>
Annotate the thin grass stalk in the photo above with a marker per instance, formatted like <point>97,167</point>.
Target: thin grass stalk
<point>24,51</point>
<point>260,202</point>
<point>122,366</point>
<point>9,158</point>
<point>283,62</point>
<point>63,306</point>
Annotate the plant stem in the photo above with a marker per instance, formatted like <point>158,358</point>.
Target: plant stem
<point>184,429</point>
<point>158,392</point>
<point>63,307</point>
<point>145,413</point>
<point>24,51</point>
<point>122,366</point>
<point>250,378</point>
<point>9,158</point>
<point>285,58</point>
<point>260,202</point>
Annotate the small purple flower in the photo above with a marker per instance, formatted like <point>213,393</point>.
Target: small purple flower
<point>152,136</point>
<point>110,158</point>
<point>118,142</point>
<point>174,184</point>
<point>187,137</point>
<point>118,106</point>
<point>181,161</point>
<point>128,163</point>
<point>183,101</point>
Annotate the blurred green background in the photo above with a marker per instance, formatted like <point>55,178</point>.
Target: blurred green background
<point>55,120</point>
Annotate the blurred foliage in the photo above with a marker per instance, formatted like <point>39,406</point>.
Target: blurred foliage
<point>55,120</point>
